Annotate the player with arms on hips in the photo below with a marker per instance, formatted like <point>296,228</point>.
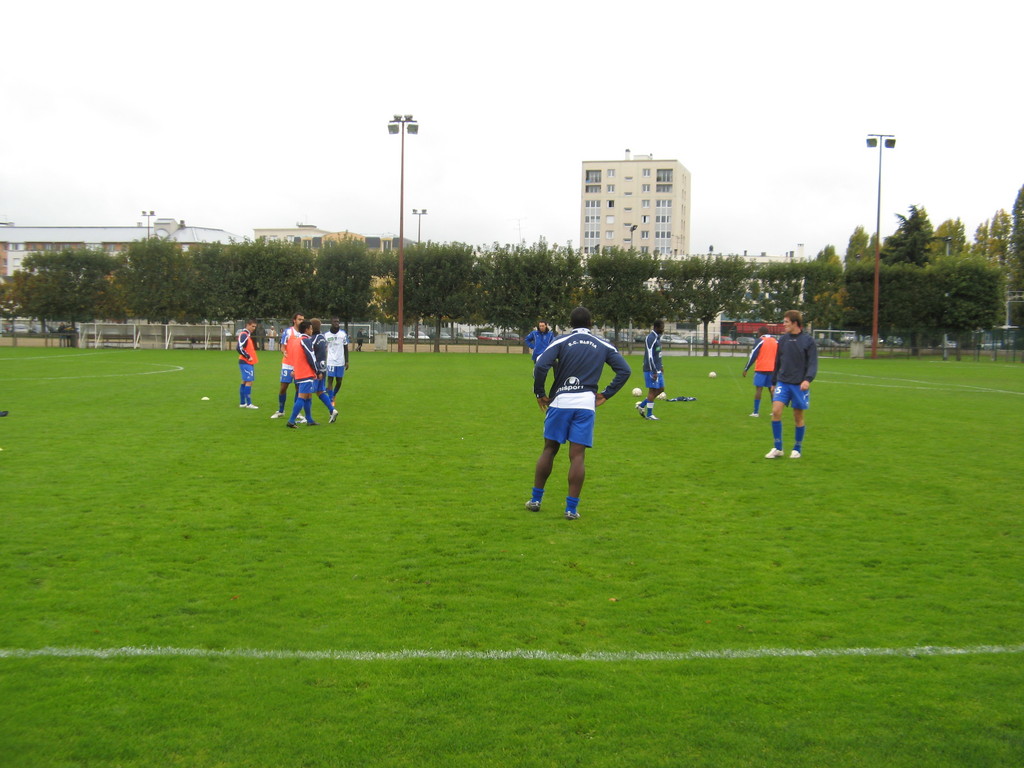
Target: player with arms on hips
<point>302,359</point>
<point>578,359</point>
<point>654,373</point>
<point>287,374</point>
<point>762,357</point>
<point>796,365</point>
<point>246,360</point>
<point>337,360</point>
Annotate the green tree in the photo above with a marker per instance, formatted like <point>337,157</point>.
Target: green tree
<point>828,255</point>
<point>66,285</point>
<point>1015,276</point>
<point>619,288</point>
<point>523,284</point>
<point>345,272</point>
<point>860,247</point>
<point>777,287</point>
<point>440,282</point>
<point>700,288</point>
<point>950,237</point>
<point>823,297</point>
<point>970,294</point>
<point>155,276</point>
<point>910,242</point>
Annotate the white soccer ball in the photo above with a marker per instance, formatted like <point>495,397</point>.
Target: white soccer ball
<point>637,391</point>
<point>662,396</point>
<point>712,375</point>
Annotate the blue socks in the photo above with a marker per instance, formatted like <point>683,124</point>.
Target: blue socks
<point>570,503</point>
<point>537,494</point>
<point>326,400</point>
<point>798,438</point>
<point>777,434</point>
<point>244,393</point>
<point>757,404</point>
<point>296,407</point>
<point>281,401</point>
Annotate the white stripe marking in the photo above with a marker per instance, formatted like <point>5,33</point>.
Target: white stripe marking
<point>517,654</point>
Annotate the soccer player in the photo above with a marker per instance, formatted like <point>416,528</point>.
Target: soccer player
<point>762,357</point>
<point>654,374</point>
<point>246,360</point>
<point>578,358</point>
<point>337,357</point>
<point>302,359</point>
<point>320,351</point>
<point>287,374</point>
<point>796,365</point>
<point>538,340</point>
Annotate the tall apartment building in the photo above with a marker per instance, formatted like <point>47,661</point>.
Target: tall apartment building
<point>638,202</point>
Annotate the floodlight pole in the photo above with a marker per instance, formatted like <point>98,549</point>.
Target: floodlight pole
<point>402,124</point>
<point>148,216</point>
<point>887,141</point>
<point>419,214</point>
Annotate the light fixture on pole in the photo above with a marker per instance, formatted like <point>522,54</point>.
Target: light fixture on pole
<point>419,222</point>
<point>148,216</point>
<point>886,141</point>
<point>395,126</point>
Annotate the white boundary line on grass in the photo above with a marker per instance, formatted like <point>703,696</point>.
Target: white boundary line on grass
<point>927,385</point>
<point>167,368</point>
<point>132,652</point>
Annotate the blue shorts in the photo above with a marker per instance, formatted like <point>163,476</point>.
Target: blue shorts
<point>792,395</point>
<point>287,375</point>
<point>306,386</point>
<point>762,379</point>
<point>573,424</point>
<point>654,380</point>
<point>336,371</point>
<point>248,372</point>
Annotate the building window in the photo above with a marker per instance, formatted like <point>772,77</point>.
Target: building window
<point>611,173</point>
<point>593,177</point>
<point>644,249</point>
<point>645,203</point>
<point>664,175</point>
<point>592,204</point>
<point>645,219</point>
<point>609,219</point>
<point>609,235</point>
<point>645,234</point>
<point>647,173</point>
<point>591,188</point>
<point>610,189</point>
<point>645,187</point>
<point>611,203</point>
<point>663,188</point>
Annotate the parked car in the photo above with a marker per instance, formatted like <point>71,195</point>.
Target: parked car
<point>746,341</point>
<point>489,337</point>
<point>421,336</point>
<point>723,341</point>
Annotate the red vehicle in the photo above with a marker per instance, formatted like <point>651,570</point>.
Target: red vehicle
<point>724,341</point>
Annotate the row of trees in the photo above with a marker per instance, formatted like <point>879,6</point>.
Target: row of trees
<point>930,282</point>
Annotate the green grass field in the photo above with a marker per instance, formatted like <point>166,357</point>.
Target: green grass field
<point>185,583</point>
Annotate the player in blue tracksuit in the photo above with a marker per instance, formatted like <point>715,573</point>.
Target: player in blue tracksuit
<point>539,339</point>
<point>796,365</point>
<point>654,373</point>
<point>578,359</point>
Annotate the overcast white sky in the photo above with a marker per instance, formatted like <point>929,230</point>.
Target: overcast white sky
<point>238,115</point>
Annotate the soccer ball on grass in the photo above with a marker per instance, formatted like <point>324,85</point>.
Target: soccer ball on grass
<point>637,391</point>
<point>712,375</point>
<point>662,396</point>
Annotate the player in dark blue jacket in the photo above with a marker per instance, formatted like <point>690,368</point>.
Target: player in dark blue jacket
<point>578,359</point>
<point>319,345</point>
<point>796,365</point>
<point>654,373</point>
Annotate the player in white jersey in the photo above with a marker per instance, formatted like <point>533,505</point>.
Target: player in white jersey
<point>287,374</point>
<point>337,357</point>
